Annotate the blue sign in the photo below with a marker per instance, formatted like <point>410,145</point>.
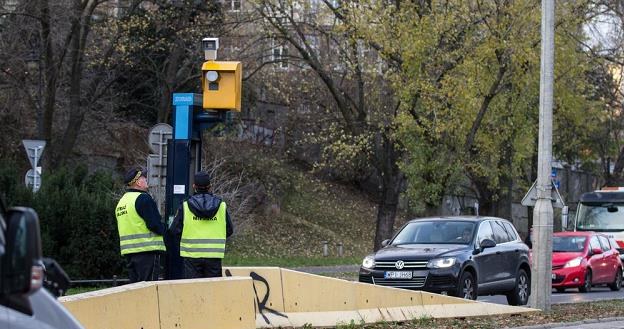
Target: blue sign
<point>187,99</point>
<point>553,173</point>
<point>557,184</point>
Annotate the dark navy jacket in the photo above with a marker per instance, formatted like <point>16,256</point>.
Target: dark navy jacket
<point>203,205</point>
<point>147,208</point>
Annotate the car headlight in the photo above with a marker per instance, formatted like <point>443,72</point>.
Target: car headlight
<point>574,262</point>
<point>441,262</point>
<point>368,262</point>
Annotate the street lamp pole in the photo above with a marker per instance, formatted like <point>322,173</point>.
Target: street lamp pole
<point>541,281</point>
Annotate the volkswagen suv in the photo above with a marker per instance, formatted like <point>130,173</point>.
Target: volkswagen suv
<point>460,256</point>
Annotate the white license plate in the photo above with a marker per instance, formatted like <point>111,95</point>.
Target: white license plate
<point>398,275</point>
<point>553,276</point>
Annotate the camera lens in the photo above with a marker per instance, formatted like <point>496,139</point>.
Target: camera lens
<point>210,45</point>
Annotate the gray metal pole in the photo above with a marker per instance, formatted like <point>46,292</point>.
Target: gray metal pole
<point>543,212</point>
<point>35,173</point>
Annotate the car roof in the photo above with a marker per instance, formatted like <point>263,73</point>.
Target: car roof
<point>602,196</point>
<point>574,233</point>
<point>580,233</point>
<point>474,219</point>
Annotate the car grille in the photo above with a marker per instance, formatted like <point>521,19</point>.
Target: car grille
<point>415,282</point>
<point>412,265</point>
<point>556,267</point>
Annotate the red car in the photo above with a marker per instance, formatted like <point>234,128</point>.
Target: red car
<point>584,259</point>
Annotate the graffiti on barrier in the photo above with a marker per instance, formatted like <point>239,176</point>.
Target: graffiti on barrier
<point>261,303</point>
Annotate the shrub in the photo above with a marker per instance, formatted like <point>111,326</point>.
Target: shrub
<point>76,214</point>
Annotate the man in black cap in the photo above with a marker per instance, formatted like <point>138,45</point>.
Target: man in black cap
<point>140,228</point>
<point>201,227</point>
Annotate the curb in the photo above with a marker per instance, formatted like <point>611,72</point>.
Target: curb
<point>570,324</point>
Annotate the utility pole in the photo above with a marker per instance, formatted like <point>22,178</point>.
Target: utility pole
<point>541,271</point>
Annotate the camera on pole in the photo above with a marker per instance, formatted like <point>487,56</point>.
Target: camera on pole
<point>221,81</point>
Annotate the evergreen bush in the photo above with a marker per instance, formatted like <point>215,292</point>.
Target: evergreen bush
<point>76,214</point>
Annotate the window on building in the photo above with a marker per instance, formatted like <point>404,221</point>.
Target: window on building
<point>233,5</point>
<point>280,56</point>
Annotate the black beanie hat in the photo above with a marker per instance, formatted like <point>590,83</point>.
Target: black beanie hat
<point>202,179</point>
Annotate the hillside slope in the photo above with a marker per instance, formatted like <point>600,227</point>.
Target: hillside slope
<point>297,212</point>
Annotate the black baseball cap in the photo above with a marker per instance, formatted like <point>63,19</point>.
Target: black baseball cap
<point>133,174</point>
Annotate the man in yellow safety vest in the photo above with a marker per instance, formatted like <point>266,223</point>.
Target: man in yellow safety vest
<point>140,228</point>
<point>201,227</point>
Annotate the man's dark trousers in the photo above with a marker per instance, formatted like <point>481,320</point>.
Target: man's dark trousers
<point>143,266</point>
<point>202,268</point>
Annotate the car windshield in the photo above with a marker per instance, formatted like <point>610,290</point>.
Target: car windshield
<point>569,243</point>
<point>436,232</point>
<point>601,217</point>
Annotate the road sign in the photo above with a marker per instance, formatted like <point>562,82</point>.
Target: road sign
<point>158,136</point>
<point>33,179</point>
<point>156,170</point>
<point>34,150</point>
<point>530,198</point>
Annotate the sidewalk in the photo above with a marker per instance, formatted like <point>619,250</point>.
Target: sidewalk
<point>605,323</point>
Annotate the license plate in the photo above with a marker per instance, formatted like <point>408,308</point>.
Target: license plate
<point>553,276</point>
<point>398,275</point>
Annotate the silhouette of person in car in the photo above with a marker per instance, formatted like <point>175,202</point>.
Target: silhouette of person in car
<point>466,236</point>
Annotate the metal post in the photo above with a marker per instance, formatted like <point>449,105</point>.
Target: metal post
<point>543,210</point>
<point>340,249</point>
<point>325,249</point>
<point>35,173</point>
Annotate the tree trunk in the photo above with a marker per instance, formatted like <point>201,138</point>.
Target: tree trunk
<point>50,77</point>
<point>391,179</point>
<point>485,197</point>
<point>170,78</point>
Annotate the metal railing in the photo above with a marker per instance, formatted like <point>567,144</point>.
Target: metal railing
<point>115,281</point>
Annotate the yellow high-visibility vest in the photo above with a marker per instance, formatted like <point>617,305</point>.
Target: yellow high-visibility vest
<point>134,236</point>
<point>203,237</point>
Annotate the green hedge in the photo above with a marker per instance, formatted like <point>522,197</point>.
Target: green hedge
<point>76,214</point>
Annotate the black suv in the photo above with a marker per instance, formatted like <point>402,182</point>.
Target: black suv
<point>460,256</point>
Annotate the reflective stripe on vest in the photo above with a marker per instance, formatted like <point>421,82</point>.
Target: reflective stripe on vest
<point>134,236</point>
<point>203,237</point>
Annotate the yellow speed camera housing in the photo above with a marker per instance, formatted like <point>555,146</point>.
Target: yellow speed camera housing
<point>221,85</point>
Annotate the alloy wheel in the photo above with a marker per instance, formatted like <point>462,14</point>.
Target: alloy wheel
<point>586,287</point>
<point>523,287</point>
<point>468,288</point>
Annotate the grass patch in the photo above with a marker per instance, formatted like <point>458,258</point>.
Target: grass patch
<point>310,213</point>
<point>560,313</point>
<point>80,290</point>
<point>239,260</point>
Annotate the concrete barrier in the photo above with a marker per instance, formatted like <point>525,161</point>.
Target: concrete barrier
<point>264,297</point>
<point>190,304</point>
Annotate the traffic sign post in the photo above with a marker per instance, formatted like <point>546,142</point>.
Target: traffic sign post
<point>33,178</point>
<point>34,151</point>
<point>157,138</point>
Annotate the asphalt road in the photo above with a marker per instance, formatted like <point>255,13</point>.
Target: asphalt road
<point>570,296</point>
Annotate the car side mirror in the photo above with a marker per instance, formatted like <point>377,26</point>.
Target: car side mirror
<point>385,242</point>
<point>596,251</point>
<point>23,271</point>
<point>487,243</point>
